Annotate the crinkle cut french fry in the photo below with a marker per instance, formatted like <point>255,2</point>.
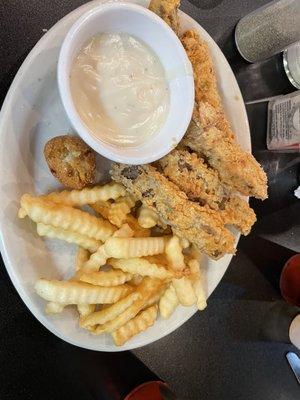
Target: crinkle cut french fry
<point>147,289</point>
<point>168,302</point>
<point>105,278</point>
<point>96,260</point>
<point>142,267</point>
<point>100,256</point>
<point>85,309</point>
<point>136,280</point>
<point>87,195</point>
<point>134,247</point>
<point>135,226</point>
<point>184,291</point>
<point>147,217</point>
<point>54,308</point>
<point>70,292</point>
<point>82,256</point>
<point>154,299</point>
<point>117,213</point>
<point>197,282</point>
<point>128,199</point>
<point>138,324</point>
<point>65,217</point>
<point>174,254</point>
<point>111,312</point>
<point>124,232</point>
<point>69,236</point>
<point>102,208</point>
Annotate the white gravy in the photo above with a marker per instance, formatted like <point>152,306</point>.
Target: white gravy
<point>120,89</point>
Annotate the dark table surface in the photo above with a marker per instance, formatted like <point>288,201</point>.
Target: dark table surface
<point>219,353</point>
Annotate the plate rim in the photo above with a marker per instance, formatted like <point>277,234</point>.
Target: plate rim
<point>42,318</point>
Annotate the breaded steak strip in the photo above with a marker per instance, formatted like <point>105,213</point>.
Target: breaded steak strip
<point>200,225</point>
<point>202,184</point>
<point>237,169</point>
<point>190,173</point>
<point>167,10</point>
<point>238,213</point>
<point>210,134</point>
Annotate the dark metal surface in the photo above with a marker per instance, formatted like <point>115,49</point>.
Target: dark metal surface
<point>220,353</point>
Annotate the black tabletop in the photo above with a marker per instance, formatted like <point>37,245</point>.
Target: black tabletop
<point>219,353</point>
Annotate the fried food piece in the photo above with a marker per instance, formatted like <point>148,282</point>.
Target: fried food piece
<point>141,266</point>
<point>147,217</point>
<point>86,196</point>
<point>71,161</point>
<point>82,256</point>
<point>146,289</point>
<point>54,308</point>
<point>237,169</point>
<point>200,225</point>
<point>201,183</point>
<point>138,324</point>
<point>118,212</point>
<point>68,236</point>
<point>237,212</point>
<point>134,247</point>
<point>167,10</point>
<point>105,278</point>
<point>190,173</point>
<point>174,254</point>
<point>168,302</point>
<point>85,309</point>
<point>210,134</point>
<point>99,258</point>
<point>65,217</point>
<point>197,282</point>
<point>111,312</point>
<point>209,106</point>
<point>70,292</point>
<point>184,291</point>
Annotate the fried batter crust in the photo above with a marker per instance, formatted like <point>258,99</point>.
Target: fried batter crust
<point>199,224</point>
<point>71,161</point>
<point>201,183</point>
<point>167,10</point>
<point>210,134</point>
<point>237,169</point>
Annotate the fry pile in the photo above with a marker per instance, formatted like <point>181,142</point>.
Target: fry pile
<point>124,273</point>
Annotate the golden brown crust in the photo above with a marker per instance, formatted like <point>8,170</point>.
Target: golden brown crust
<point>194,177</point>
<point>167,10</point>
<point>237,169</point>
<point>210,134</point>
<point>202,184</point>
<point>237,212</point>
<point>200,225</point>
<point>206,89</point>
<point>71,161</point>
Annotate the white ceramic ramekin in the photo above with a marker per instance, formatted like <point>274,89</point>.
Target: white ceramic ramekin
<point>148,27</point>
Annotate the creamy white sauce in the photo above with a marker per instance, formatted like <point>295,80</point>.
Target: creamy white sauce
<point>119,88</point>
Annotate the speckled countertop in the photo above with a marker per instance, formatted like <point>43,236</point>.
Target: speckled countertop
<point>218,354</point>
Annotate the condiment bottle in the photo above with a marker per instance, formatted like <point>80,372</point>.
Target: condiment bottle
<point>268,30</point>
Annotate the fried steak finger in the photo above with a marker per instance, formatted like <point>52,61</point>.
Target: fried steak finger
<point>209,133</point>
<point>168,11</point>
<point>201,183</point>
<point>236,168</point>
<point>200,225</point>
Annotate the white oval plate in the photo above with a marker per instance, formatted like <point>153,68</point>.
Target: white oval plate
<point>32,114</point>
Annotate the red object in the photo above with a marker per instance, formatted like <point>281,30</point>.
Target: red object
<point>290,281</point>
<point>147,391</point>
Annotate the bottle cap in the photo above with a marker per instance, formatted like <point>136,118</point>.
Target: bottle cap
<point>291,63</point>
